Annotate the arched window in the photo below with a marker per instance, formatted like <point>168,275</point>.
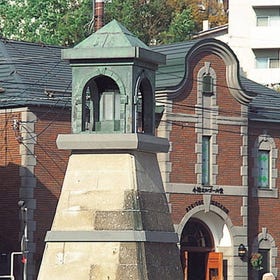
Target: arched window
<point>101,105</point>
<point>144,104</point>
<point>264,244</point>
<point>206,166</point>
<point>196,235</point>
<point>265,171</point>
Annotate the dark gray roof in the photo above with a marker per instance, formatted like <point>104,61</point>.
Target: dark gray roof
<point>33,74</point>
<point>172,73</point>
<point>264,107</point>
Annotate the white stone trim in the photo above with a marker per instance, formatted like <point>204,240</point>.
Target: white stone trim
<point>164,131</point>
<point>237,269</point>
<point>28,180</point>
<point>112,236</point>
<point>206,124</point>
<point>182,188</point>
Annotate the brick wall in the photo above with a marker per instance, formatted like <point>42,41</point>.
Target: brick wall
<point>184,136</point>
<point>32,170</point>
<point>229,159</point>
<point>49,171</point>
<point>263,211</point>
<point>182,156</point>
<point>9,182</point>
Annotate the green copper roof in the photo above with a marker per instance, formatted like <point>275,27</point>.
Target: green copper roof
<point>112,35</point>
<point>113,41</point>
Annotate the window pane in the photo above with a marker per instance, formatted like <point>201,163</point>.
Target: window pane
<point>261,62</point>
<point>262,21</point>
<point>205,160</point>
<point>265,261</point>
<point>207,84</point>
<point>274,21</point>
<point>263,163</point>
<point>274,63</point>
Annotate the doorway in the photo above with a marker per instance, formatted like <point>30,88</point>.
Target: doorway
<point>199,261</point>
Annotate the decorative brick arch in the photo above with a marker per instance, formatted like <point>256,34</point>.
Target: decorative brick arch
<point>203,208</point>
<point>219,223</point>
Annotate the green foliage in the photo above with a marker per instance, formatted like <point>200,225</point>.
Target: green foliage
<point>66,22</point>
<point>181,27</point>
<point>52,22</point>
<point>256,261</point>
<point>147,19</point>
<point>211,10</point>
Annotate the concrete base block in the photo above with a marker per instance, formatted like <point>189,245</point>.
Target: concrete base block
<point>112,222</point>
<point>113,260</point>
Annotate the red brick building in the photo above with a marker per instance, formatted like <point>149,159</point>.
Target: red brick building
<point>35,93</point>
<point>220,176</point>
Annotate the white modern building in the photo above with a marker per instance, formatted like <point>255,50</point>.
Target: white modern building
<point>253,32</point>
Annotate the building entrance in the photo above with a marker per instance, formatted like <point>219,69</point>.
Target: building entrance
<point>199,261</point>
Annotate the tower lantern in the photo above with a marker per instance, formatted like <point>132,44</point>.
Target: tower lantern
<point>113,82</point>
<point>112,220</point>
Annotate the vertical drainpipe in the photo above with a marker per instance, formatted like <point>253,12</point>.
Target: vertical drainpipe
<point>98,14</point>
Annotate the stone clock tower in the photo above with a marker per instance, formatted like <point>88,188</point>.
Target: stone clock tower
<point>112,220</point>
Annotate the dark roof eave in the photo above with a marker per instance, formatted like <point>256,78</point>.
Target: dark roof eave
<point>264,120</point>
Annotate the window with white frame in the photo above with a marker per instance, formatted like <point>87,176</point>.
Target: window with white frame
<point>206,146</point>
<point>266,17</point>
<point>268,21</point>
<point>267,58</point>
<point>265,170</point>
